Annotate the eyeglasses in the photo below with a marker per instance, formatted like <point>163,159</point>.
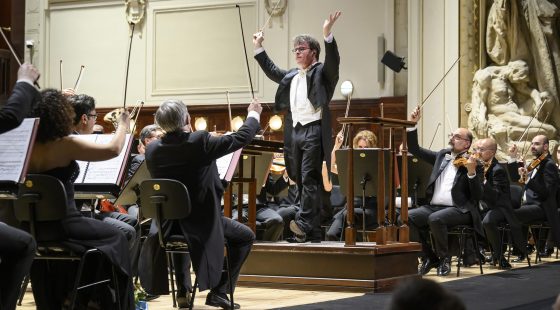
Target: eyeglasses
<point>94,116</point>
<point>456,137</point>
<point>299,49</point>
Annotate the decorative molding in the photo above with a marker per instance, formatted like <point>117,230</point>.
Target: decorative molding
<point>469,49</point>
<point>185,70</point>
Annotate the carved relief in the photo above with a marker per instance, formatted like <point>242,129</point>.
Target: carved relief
<point>519,91</point>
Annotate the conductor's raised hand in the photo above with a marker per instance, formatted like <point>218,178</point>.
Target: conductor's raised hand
<point>258,38</point>
<point>329,22</point>
<point>415,115</point>
<point>255,106</point>
<point>28,72</point>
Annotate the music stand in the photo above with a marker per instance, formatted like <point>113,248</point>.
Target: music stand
<point>365,174</point>
<point>262,165</point>
<point>419,173</point>
<point>131,191</point>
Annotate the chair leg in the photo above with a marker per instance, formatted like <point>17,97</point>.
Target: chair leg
<point>171,270</point>
<point>229,278</point>
<point>461,251</point>
<point>74,293</point>
<point>116,285</point>
<point>193,293</point>
<point>475,239</point>
<point>537,240</point>
<point>23,289</point>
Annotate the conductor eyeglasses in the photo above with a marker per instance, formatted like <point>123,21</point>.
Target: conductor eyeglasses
<point>299,49</point>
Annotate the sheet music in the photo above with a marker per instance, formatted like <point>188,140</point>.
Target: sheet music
<point>14,150</point>
<point>227,163</point>
<point>106,171</point>
<point>84,164</point>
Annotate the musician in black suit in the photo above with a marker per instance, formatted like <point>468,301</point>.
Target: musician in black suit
<point>17,247</point>
<point>453,191</point>
<point>496,202</point>
<point>190,157</point>
<point>306,93</point>
<point>540,190</point>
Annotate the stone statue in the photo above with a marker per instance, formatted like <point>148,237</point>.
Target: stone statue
<point>504,105</point>
<point>528,30</point>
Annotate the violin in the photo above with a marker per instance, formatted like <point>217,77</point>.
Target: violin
<point>531,166</point>
<point>461,160</point>
<point>536,162</point>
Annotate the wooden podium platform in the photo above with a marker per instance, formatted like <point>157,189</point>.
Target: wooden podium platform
<point>330,265</point>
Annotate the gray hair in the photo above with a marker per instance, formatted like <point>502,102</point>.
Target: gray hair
<point>147,132</point>
<point>171,115</point>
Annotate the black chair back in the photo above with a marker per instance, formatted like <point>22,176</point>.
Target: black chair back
<point>164,199</point>
<point>516,194</point>
<point>41,198</point>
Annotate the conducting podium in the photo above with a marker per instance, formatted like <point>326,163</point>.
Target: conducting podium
<point>384,232</point>
<point>250,174</point>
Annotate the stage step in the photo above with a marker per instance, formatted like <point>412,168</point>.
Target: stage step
<point>330,265</point>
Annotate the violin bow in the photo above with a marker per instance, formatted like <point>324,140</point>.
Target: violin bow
<point>60,71</point>
<point>14,53</point>
<point>441,80</point>
<point>246,58</point>
<point>540,127</point>
<point>128,63</point>
<point>229,111</point>
<point>82,68</point>
<point>345,133</point>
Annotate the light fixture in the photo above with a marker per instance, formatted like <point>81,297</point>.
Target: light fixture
<point>275,122</point>
<point>346,89</point>
<point>200,123</point>
<point>237,122</point>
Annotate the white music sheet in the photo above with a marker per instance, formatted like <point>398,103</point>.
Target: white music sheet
<point>226,165</point>
<point>107,171</point>
<point>14,149</point>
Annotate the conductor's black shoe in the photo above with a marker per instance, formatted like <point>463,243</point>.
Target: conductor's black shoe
<point>444,267</point>
<point>220,300</point>
<point>427,265</point>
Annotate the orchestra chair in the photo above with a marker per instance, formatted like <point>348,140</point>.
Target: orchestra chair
<point>42,198</point>
<point>464,232</point>
<point>516,195</point>
<point>166,199</point>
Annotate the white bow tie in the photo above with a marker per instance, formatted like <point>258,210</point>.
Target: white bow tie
<point>449,157</point>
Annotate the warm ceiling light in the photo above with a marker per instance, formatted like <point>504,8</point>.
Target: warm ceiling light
<point>200,123</point>
<point>275,122</point>
<point>236,123</point>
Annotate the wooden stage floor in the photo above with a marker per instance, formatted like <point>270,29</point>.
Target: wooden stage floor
<point>258,297</point>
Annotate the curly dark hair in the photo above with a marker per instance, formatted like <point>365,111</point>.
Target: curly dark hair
<point>56,114</point>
